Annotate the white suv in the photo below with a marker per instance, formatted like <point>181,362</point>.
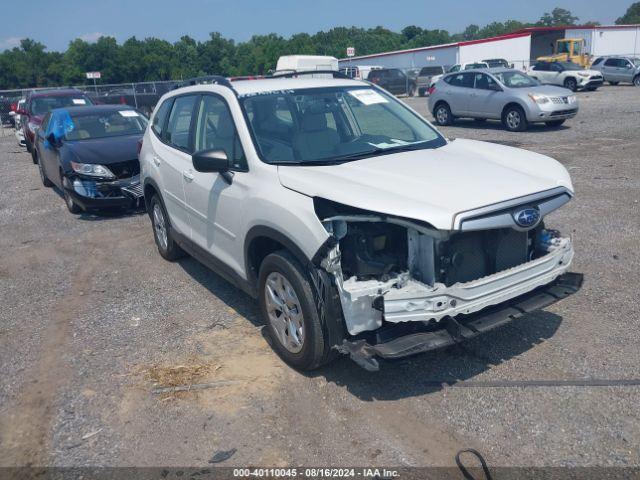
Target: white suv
<point>358,227</point>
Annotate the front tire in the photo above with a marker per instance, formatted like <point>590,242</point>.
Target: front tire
<point>636,81</point>
<point>43,176</point>
<point>290,313</point>
<point>72,206</point>
<point>443,115</point>
<point>514,119</point>
<point>167,247</point>
<point>571,84</point>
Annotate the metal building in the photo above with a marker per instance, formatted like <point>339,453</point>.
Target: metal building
<point>520,48</point>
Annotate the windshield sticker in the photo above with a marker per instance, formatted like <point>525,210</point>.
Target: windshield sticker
<point>128,113</point>
<point>79,101</point>
<point>368,96</point>
<point>395,143</point>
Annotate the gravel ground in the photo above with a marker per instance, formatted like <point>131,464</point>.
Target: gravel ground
<point>92,318</point>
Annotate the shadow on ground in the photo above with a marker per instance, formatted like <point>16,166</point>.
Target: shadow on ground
<point>414,376</point>
<point>432,371</point>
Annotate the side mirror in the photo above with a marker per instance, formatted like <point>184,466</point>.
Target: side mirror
<point>210,161</point>
<point>53,140</point>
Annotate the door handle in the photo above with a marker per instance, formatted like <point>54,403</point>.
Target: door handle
<point>156,161</point>
<point>188,176</point>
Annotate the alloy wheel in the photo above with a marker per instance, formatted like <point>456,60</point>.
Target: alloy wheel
<point>285,312</point>
<point>513,119</point>
<point>442,115</point>
<point>160,226</point>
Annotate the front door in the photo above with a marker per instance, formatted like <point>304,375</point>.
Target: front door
<point>215,200</point>
<point>484,100</point>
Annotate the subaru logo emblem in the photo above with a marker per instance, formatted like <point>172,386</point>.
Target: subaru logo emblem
<point>527,217</point>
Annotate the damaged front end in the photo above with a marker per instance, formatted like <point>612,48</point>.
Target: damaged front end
<point>405,287</point>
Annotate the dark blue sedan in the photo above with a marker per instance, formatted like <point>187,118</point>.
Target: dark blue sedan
<point>91,154</point>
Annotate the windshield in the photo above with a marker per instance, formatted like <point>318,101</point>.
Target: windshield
<point>333,125</point>
<point>431,71</point>
<point>42,105</point>
<point>473,66</point>
<point>106,124</point>
<point>516,80</point>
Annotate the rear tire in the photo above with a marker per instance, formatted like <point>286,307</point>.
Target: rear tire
<point>289,311</point>
<point>443,115</point>
<point>514,119</point>
<point>571,84</point>
<point>167,247</point>
<point>554,123</point>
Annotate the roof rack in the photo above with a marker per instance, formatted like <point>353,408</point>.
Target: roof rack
<point>297,73</point>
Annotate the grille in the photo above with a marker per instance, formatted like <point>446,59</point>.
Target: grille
<point>126,169</point>
<point>135,190</point>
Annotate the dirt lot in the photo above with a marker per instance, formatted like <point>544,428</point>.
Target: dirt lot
<point>92,320</point>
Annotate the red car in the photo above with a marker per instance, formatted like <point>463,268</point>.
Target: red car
<point>41,102</point>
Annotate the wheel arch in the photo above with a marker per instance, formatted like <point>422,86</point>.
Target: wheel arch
<point>438,103</point>
<point>511,104</point>
<point>262,240</point>
<point>150,189</point>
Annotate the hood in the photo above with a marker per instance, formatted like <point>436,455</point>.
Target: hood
<point>104,151</point>
<point>592,72</point>
<point>431,185</point>
<point>550,90</point>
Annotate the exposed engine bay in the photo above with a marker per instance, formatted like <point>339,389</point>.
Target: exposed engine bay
<point>395,270</point>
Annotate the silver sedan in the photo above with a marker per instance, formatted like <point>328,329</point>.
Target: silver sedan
<point>500,94</point>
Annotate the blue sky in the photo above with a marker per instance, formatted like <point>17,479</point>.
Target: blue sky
<point>64,20</point>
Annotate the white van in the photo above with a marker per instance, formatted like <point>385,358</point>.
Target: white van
<point>305,63</point>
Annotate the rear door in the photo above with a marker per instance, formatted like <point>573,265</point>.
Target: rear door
<point>610,70</point>
<point>215,202</point>
<point>626,70</point>
<point>172,156</point>
<point>541,72</point>
<point>458,95</point>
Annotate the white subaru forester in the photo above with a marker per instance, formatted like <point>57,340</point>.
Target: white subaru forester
<point>358,227</point>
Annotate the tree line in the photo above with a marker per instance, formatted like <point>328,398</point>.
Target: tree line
<point>153,59</point>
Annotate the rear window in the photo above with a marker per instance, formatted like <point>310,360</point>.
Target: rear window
<point>598,61</point>
<point>42,105</point>
<point>431,71</point>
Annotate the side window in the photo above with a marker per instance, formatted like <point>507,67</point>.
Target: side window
<point>484,82</point>
<point>462,80</point>
<point>541,67</point>
<point>598,61</point>
<point>160,117</point>
<point>179,126</point>
<point>611,62</point>
<point>216,130</point>
<point>623,63</point>
<point>455,68</point>
<point>554,67</point>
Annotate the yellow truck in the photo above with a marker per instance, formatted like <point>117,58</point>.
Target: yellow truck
<point>569,50</point>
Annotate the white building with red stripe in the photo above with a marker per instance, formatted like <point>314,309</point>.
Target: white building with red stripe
<point>519,48</point>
